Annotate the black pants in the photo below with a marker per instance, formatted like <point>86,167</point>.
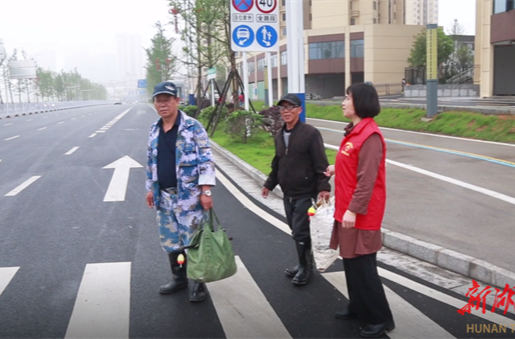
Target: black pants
<point>297,215</point>
<point>366,293</point>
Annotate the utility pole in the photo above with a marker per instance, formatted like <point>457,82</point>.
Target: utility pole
<point>295,35</point>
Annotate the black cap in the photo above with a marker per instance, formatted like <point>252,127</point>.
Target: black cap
<point>291,98</point>
<point>166,87</point>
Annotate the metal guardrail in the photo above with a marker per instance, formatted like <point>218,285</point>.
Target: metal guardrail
<point>17,109</point>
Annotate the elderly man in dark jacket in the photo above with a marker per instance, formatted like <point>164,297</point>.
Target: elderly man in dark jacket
<point>298,167</point>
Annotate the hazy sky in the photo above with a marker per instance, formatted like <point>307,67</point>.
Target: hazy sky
<point>71,26</point>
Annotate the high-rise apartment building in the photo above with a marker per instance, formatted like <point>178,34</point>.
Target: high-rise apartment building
<point>130,58</point>
<point>421,12</point>
<point>345,41</point>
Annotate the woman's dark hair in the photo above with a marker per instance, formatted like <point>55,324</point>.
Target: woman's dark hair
<point>365,99</point>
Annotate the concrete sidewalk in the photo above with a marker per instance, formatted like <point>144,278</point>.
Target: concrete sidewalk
<point>431,253</point>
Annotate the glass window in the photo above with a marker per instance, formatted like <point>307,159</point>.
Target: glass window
<point>261,64</point>
<point>284,31</point>
<point>252,67</point>
<point>326,50</point>
<point>284,57</point>
<point>273,60</point>
<point>357,48</point>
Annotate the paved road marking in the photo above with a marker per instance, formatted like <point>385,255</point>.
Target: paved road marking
<point>439,149</point>
<point>8,124</point>
<point>71,151</point>
<point>243,309</point>
<point>475,188</point>
<point>442,297</point>
<point>74,118</point>
<point>92,135</point>
<point>11,138</point>
<point>118,185</point>
<point>6,275</point>
<point>420,133</point>
<point>409,321</point>
<point>382,272</point>
<point>456,182</point>
<point>62,122</point>
<point>28,120</point>
<point>42,128</point>
<point>103,302</point>
<point>22,186</point>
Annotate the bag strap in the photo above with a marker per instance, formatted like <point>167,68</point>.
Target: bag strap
<point>210,218</point>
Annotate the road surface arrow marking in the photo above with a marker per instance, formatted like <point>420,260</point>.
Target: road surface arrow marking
<point>118,185</point>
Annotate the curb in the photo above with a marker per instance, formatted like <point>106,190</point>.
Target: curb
<point>448,259</point>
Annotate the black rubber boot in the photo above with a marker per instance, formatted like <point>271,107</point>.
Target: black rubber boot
<point>198,292</point>
<point>305,263</point>
<point>179,277</point>
<point>290,272</point>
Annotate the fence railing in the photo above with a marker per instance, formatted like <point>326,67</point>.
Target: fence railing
<point>16,109</point>
<point>388,89</point>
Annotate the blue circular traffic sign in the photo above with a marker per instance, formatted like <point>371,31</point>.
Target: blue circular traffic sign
<point>243,36</point>
<point>242,5</point>
<point>266,36</point>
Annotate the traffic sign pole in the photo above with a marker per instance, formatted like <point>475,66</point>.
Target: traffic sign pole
<point>295,29</point>
<point>270,83</point>
<point>245,82</point>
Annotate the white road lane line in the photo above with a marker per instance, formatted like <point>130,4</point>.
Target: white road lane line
<point>62,122</point>
<point>8,124</point>
<point>74,118</point>
<point>102,306</point>
<point>92,135</point>
<point>6,275</point>
<point>382,272</point>
<point>463,184</point>
<point>409,321</point>
<point>42,128</point>
<point>23,186</point>
<point>442,297</point>
<point>28,120</point>
<point>71,151</point>
<point>243,309</point>
<point>11,138</point>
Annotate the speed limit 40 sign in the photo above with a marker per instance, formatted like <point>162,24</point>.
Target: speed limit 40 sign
<point>254,25</point>
<point>266,6</point>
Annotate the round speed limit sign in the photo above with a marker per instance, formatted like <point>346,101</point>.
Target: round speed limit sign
<point>266,6</point>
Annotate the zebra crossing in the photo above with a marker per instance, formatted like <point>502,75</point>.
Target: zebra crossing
<point>103,305</point>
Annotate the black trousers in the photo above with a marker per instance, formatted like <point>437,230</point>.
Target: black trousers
<point>366,293</point>
<point>297,215</point>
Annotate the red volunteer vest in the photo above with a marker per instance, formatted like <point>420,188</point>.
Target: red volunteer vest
<point>346,177</point>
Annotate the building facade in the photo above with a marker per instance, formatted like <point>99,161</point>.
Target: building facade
<point>347,41</point>
<point>421,12</point>
<point>495,47</point>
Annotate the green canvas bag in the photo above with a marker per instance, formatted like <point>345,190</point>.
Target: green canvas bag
<point>210,255</point>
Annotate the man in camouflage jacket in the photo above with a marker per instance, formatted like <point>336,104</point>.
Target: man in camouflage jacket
<point>180,173</point>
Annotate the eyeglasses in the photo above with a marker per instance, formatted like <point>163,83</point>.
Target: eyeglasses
<point>288,107</point>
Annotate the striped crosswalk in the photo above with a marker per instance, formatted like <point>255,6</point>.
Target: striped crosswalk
<point>103,304</point>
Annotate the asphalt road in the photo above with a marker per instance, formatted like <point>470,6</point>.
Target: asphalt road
<point>74,265</point>
<point>452,192</point>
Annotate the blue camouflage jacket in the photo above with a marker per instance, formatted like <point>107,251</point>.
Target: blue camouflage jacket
<point>194,165</point>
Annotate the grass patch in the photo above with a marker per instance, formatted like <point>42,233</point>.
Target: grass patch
<point>259,150</point>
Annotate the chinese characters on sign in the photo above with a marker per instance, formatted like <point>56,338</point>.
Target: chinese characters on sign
<point>504,299</point>
<point>432,54</point>
<point>254,25</point>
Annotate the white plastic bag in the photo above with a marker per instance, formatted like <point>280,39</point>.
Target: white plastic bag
<point>321,229</point>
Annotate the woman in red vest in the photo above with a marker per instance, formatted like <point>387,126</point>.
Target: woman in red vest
<point>360,199</point>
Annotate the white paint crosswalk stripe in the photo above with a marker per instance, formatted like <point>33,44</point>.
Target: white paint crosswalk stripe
<point>23,186</point>
<point>409,321</point>
<point>243,309</point>
<point>102,306</point>
<point>6,275</point>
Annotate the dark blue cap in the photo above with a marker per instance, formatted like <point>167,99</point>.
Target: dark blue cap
<point>166,87</point>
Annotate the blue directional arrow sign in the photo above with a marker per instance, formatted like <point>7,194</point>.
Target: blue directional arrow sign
<point>243,36</point>
<point>266,36</point>
<point>142,83</point>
